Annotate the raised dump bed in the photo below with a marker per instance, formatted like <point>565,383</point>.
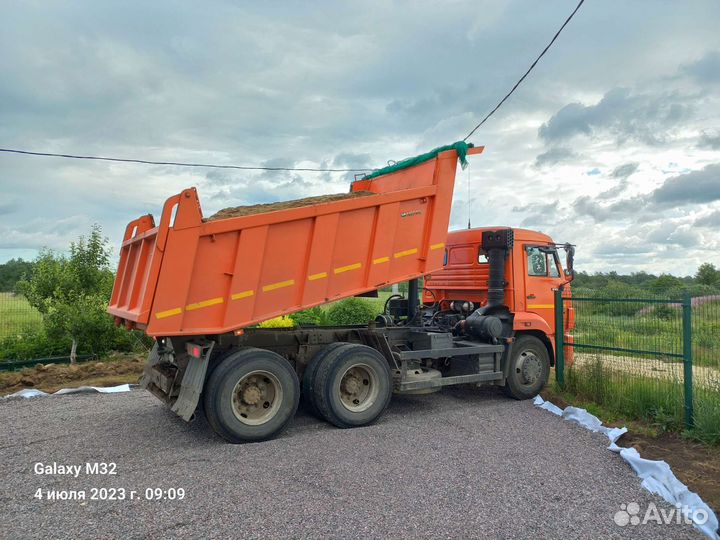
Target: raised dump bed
<point>195,276</point>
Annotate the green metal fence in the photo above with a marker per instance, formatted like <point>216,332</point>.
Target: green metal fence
<point>650,358</point>
<point>25,343</point>
<point>17,316</point>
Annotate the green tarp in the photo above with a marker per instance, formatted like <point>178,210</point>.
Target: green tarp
<point>460,146</point>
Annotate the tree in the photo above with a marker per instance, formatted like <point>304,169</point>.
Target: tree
<point>72,292</point>
<point>707,274</point>
<point>665,283</point>
<point>13,271</point>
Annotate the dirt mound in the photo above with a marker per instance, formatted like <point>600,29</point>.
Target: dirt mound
<point>237,211</point>
<point>118,369</point>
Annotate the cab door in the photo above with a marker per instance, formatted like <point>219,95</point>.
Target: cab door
<point>542,275</point>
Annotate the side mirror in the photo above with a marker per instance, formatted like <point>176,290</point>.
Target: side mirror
<point>569,260</point>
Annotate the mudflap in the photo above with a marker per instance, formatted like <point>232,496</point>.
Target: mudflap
<point>191,387</point>
<point>161,377</point>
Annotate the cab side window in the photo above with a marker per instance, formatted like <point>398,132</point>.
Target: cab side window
<point>542,262</point>
<point>537,262</point>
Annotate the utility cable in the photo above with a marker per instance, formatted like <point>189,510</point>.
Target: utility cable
<point>300,169</point>
<point>532,66</point>
<point>177,163</point>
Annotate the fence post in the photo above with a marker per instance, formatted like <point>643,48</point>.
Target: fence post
<point>687,360</point>
<point>559,339</point>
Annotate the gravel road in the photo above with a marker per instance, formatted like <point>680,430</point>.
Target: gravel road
<point>459,464</point>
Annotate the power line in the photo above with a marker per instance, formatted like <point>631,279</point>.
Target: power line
<point>177,163</point>
<point>532,66</point>
<point>299,169</point>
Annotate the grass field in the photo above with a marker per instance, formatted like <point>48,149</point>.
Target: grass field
<point>659,330</point>
<point>16,315</point>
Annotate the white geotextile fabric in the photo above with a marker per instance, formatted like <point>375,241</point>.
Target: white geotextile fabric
<point>656,476</point>
<point>31,392</point>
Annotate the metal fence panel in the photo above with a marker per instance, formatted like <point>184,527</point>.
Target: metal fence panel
<point>17,316</point>
<point>654,357</point>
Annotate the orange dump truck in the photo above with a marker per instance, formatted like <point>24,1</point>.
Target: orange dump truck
<point>199,286</point>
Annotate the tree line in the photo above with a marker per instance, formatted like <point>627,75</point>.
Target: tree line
<point>72,291</point>
<point>705,282</point>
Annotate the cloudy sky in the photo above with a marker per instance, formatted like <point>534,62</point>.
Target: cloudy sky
<point>612,143</point>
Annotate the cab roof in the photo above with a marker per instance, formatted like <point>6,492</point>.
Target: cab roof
<point>474,236</point>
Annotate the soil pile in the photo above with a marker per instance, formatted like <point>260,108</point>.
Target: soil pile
<point>237,211</point>
<point>118,369</point>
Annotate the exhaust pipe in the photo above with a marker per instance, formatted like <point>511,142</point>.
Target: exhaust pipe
<point>496,244</point>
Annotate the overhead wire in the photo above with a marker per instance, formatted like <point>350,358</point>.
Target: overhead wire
<point>532,66</point>
<point>178,163</point>
<point>298,169</point>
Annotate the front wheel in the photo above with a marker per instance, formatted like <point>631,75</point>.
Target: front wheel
<point>529,368</point>
<point>252,395</point>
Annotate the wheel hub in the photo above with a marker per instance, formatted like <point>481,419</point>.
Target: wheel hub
<point>256,397</point>
<point>531,367</point>
<point>252,395</point>
<point>358,387</point>
<point>351,385</point>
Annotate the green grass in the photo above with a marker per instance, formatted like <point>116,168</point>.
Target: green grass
<point>17,315</point>
<point>658,330</point>
<point>654,399</point>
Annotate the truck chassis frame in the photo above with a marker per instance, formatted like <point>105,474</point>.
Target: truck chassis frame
<point>177,378</point>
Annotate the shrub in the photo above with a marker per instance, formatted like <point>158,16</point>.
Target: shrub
<point>351,311</point>
<point>700,289</point>
<point>35,342</point>
<point>278,322</point>
<point>665,285</point>
<point>32,343</point>
<point>313,316</point>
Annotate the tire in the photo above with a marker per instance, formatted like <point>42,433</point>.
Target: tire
<point>252,395</point>
<point>308,380</point>
<point>529,368</point>
<point>352,386</point>
<point>216,358</point>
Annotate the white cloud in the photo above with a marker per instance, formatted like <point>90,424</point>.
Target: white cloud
<point>354,85</point>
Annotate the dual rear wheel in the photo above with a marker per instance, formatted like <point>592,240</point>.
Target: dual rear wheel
<point>348,385</point>
<point>253,394</point>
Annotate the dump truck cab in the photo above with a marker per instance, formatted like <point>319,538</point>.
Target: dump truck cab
<point>531,273</point>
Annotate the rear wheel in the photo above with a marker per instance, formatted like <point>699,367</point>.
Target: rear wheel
<point>529,368</point>
<point>353,386</point>
<point>308,380</point>
<point>251,395</point>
